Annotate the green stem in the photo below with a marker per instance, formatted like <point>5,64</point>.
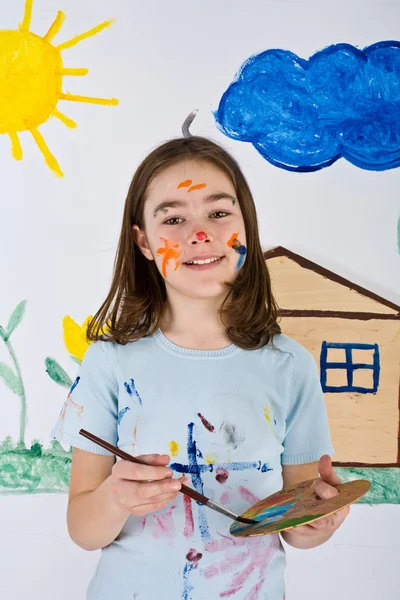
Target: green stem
<point>22,419</point>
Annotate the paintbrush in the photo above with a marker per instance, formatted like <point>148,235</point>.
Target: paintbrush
<point>184,488</point>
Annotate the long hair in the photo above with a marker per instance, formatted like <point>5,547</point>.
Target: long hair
<point>137,298</point>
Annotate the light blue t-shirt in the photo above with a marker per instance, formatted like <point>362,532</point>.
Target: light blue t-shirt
<point>230,418</point>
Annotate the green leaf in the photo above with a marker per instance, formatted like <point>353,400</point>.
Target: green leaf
<point>2,333</point>
<point>15,318</point>
<point>11,380</point>
<point>57,373</point>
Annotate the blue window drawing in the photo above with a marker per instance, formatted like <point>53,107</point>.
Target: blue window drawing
<point>349,367</point>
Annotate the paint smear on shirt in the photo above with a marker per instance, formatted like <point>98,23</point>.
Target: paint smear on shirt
<point>169,252</point>
<point>206,423</point>
<point>221,475</point>
<point>232,436</point>
<point>187,587</point>
<point>193,556</point>
<point>164,525</point>
<point>189,521</point>
<point>135,432</point>
<point>132,391</point>
<point>174,448</point>
<point>248,496</point>
<point>122,413</point>
<point>270,420</point>
<point>211,458</point>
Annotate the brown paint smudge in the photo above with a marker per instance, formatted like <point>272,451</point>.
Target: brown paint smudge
<point>206,423</point>
<point>193,556</point>
<point>222,475</point>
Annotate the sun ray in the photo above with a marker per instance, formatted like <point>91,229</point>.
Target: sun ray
<point>55,27</point>
<point>49,158</point>
<point>90,100</point>
<point>26,22</point>
<point>75,40</point>
<point>64,119</point>
<point>75,72</point>
<point>16,148</point>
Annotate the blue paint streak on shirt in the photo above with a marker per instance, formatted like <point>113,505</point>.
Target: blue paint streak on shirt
<point>303,115</point>
<point>132,391</point>
<point>229,466</point>
<point>121,413</point>
<point>197,482</point>
<point>187,588</point>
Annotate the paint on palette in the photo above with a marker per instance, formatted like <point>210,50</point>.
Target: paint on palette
<point>132,391</point>
<point>169,252</point>
<point>173,448</point>
<point>303,115</point>
<point>296,506</point>
<point>206,423</point>
<point>188,184</point>
<point>32,73</point>
<point>195,470</point>
<point>234,243</point>
<point>122,413</point>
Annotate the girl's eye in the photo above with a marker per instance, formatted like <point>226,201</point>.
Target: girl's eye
<point>173,221</point>
<point>218,214</point>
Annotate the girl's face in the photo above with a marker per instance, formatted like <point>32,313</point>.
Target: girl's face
<point>193,229</point>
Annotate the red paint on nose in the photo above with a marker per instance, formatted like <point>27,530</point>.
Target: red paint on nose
<point>201,236</point>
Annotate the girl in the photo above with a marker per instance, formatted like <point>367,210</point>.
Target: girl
<point>189,370</point>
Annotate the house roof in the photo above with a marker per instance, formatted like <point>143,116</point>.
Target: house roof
<point>280,251</point>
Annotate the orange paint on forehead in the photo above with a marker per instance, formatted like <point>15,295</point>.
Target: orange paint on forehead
<point>199,186</point>
<point>170,253</point>
<point>186,183</point>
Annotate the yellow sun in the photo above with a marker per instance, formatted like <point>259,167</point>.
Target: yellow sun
<point>31,77</point>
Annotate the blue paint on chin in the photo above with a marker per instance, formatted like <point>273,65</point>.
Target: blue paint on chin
<point>303,115</point>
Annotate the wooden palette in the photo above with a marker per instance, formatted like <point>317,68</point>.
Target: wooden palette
<point>296,506</point>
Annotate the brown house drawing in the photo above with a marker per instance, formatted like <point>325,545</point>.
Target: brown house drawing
<point>354,336</point>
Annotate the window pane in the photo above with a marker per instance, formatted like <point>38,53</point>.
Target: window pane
<point>336,355</point>
<point>364,357</point>
<point>336,377</point>
<point>363,378</point>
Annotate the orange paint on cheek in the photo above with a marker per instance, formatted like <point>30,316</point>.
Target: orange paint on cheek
<point>170,253</point>
<point>186,183</point>
<point>234,242</point>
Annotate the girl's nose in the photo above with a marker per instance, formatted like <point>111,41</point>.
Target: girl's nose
<point>199,237</point>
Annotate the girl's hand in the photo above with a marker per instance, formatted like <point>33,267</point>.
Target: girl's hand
<point>143,489</point>
<point>323,487</point>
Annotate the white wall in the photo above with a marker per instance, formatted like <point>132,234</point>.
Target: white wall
<point>58,236</point>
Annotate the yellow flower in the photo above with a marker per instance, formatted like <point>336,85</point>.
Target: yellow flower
<point>75,337</point>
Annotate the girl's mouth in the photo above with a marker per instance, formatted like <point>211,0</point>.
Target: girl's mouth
<point>204,264</point>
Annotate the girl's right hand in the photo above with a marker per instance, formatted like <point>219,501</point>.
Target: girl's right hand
<point>143,489</point>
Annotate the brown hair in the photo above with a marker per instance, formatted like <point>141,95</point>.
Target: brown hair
<point>136,302</point>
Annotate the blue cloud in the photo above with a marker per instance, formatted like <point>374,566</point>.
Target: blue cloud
<point>303,115</point>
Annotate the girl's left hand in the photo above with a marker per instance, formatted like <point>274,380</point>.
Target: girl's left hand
<point>323,487</point>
